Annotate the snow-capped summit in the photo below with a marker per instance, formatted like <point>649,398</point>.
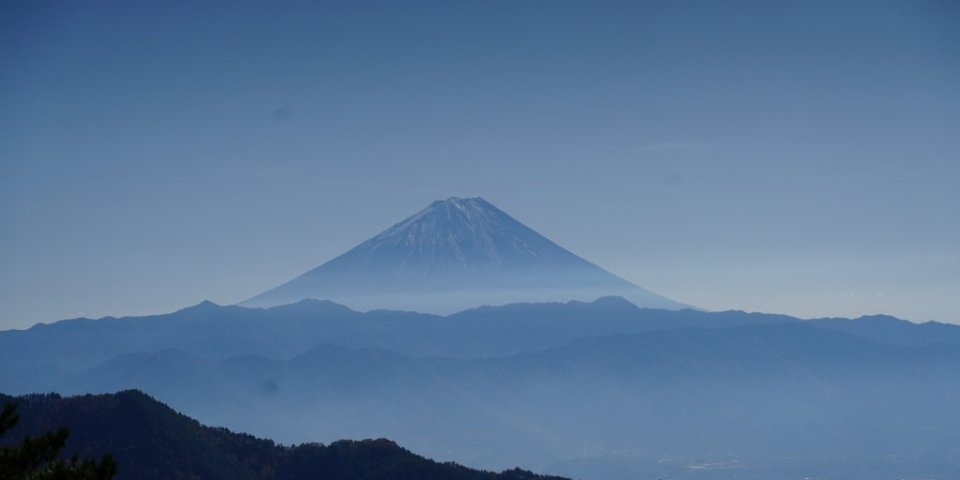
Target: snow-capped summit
<point>457,253</point>
<point>452,237</point>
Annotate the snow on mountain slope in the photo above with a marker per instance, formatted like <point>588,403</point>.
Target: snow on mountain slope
<point>457,253</point>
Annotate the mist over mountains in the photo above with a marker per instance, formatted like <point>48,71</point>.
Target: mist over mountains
<point>514,351</point>
<point>570,388</point>
<point>455,254</point>
<point>219,332</point>
<point>365,191</point>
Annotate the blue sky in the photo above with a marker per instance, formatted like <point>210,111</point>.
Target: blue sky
<point>794,157</point>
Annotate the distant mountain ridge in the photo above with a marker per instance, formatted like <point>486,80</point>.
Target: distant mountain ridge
<point>37,359</point>
<point>455,254</point>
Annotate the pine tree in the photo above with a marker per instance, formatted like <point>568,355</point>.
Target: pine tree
<point>35,458</point>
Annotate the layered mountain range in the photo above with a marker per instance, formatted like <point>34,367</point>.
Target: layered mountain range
<point>601,389</point>
<point>468,337</point>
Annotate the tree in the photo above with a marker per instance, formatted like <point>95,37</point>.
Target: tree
<point>35,458</point>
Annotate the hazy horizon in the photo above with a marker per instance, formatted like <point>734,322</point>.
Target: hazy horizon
<point>787,158</point>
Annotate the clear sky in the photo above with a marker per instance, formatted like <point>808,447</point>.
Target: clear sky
<point>793,157</point>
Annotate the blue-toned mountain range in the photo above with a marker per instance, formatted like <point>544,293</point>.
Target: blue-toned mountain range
<point>599,389</point>
<point>465,335</point>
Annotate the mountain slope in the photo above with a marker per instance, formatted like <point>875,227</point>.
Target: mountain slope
<point>455,254</point>
<point>151,441</point>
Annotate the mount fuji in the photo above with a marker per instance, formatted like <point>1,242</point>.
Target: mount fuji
<point>456,254</point>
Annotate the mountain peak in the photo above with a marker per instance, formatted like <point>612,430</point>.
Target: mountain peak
<point>204,306</point>
<point>457,239</point>
<point>461,201</point>
<point>454,254</point>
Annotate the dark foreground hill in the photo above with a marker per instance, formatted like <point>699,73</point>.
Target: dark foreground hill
<point>151,441</point>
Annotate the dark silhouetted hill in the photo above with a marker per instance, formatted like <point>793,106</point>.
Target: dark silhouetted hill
<point>151,441</point>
